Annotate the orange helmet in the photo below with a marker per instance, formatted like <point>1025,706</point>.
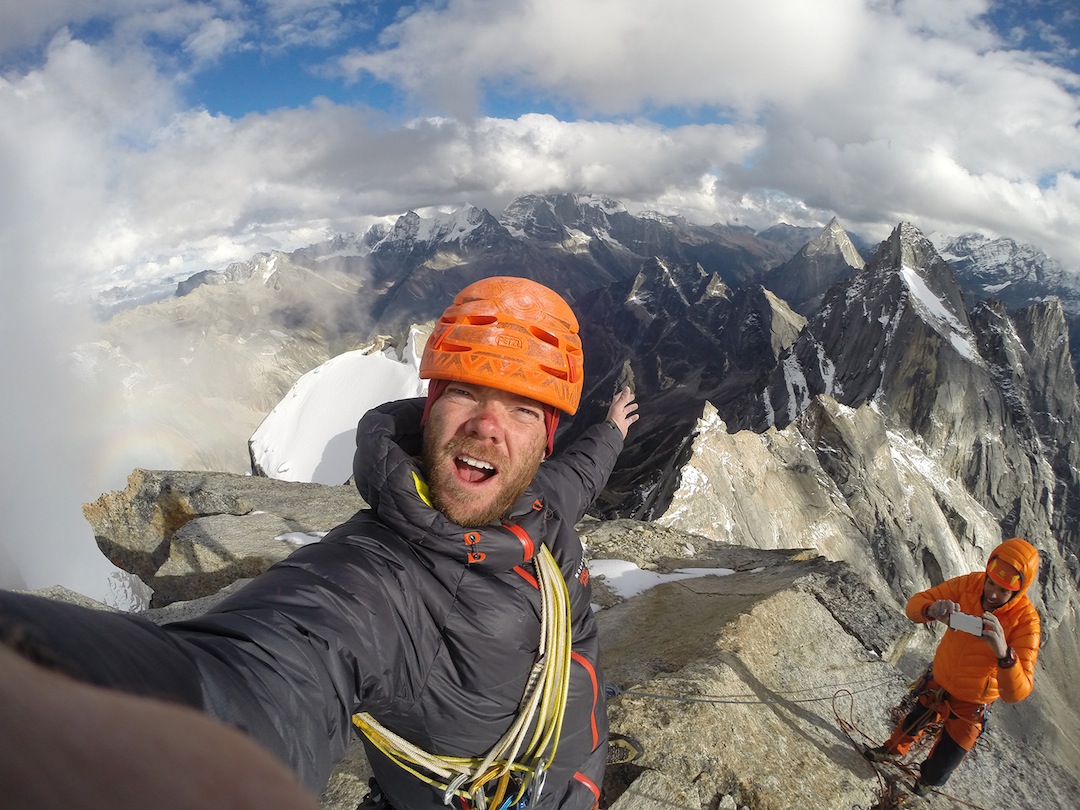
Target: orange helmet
<point>512,334</point>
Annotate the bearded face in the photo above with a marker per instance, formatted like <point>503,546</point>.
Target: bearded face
<point>482,447</point>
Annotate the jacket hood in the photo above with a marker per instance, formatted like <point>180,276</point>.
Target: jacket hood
<point>388,476</point>
<point>389,440</point>
<point>1022,556</point>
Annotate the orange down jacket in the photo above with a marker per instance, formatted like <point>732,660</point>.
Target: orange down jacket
<point>965,665</point>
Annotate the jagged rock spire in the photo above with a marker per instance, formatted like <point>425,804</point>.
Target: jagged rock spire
<point>826,259</point>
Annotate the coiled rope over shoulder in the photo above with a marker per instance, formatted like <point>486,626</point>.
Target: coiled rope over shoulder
<point>542,707</point>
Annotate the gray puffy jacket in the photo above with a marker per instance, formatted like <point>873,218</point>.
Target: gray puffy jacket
<point>385,615</point>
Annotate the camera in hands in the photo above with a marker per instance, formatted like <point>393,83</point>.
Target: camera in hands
<point>966,622</point>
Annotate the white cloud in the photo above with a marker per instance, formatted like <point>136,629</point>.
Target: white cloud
<point>212,39</point>
<point>24,25</point>
<point>61,129</point>
<point>877,111</point>
<point>617,57</point>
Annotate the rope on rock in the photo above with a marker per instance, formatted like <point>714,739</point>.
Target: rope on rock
<point>739,700</point>
<point>517,754</point>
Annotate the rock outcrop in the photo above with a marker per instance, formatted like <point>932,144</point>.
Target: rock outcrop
<point>189,534</point>
<point>984,400</point>
<point>747,690</point>
<point>684,337</point>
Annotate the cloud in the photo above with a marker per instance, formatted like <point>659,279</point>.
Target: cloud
<point>147,189</point>
<point>614,57</point>
<point>873,111</point>
<point>213,38</point>
<point>34,23</point>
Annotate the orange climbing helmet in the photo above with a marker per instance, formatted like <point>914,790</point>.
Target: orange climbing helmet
<point>512,334</point>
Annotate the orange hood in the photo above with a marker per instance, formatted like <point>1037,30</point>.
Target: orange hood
<point>1022,556</point>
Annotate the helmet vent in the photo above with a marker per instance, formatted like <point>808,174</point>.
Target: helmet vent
<point>558,373</point>
<point>512,334</point>
<point>540,334</point>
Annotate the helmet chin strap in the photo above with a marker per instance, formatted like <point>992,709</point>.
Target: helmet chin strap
<point>551,413</point>
<point>434,391</point>
<point>551,422</point>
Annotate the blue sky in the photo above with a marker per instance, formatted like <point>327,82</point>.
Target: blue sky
<point>142,141</point>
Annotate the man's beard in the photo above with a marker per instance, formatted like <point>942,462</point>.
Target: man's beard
<point>459,506</point>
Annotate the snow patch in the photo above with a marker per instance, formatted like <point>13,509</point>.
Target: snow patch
<point>627,580</point>
<point>301,538</point>
<point>797,388</point>
<point>604,204</point>
<point>940,317</point>
<point>310,435</point>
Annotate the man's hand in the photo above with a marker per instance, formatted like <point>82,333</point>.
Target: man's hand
<point>622,411</point>
<point>994,635</point>
<point>941,609</point>
<point>68,744</point>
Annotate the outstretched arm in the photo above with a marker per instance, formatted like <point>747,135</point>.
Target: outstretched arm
<point>575,476</point>
<point>255,668</point>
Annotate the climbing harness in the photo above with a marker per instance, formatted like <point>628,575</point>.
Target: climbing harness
<point>513,770</point>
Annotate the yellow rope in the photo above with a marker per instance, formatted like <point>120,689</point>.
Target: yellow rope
<point>543,702</point>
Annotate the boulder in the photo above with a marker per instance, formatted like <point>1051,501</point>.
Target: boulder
<point>188,534</point>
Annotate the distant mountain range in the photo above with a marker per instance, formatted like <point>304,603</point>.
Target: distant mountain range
<point>579,243</point>
<point>240,336</point>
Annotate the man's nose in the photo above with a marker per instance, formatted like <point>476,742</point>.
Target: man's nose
<point>486,423</point>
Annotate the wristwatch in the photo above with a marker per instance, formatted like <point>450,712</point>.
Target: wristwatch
<point>1008,660</point>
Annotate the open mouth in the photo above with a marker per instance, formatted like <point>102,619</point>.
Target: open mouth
<point>473,470</point>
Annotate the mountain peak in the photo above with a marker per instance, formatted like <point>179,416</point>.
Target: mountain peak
<point>834,239</point>
<point>910,246</point>
<point>823,261</point>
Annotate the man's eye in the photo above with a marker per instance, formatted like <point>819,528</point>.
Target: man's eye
<point>530,413</point>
